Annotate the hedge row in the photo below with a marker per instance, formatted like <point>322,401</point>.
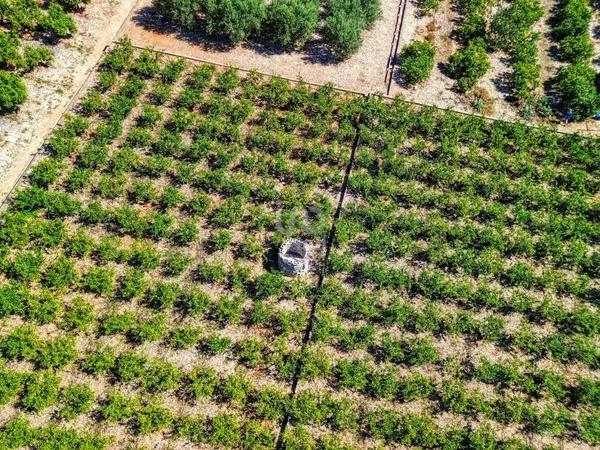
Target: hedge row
<point>289,23</point>
<point>575,84</point>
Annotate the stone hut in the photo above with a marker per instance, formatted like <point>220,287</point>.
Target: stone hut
<point>293,257</point>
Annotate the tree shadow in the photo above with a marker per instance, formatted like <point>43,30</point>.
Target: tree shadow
<point>314,52</point>
<point>149,19</point>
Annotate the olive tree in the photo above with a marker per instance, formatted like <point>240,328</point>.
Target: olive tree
<point>416,61</point>
<point>235,20</point>
<point>292,22</point>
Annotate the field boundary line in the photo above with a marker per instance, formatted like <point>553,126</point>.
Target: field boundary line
<point>322,274</point>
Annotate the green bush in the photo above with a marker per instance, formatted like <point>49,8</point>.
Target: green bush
<point>151,329</point>
<point>43,308</point>
<point>21,343</point>
<point>590,427</point>
<point>100,361</point>
<point>61,274</point>
<point>118,407</point>
<point>342,32</point>
<point>468,65</point>
<point>114,322</point>
<point>195,302</point>
<point>13,91</point>
<point>181,12</point>
<point>76,399</point>
<point>152,418</point>
<point>41,391</point>
<point>132,285</point>
<point>147,64</point>
<point>576,48</point>
<point>235,20</point>
<point>184,337</point>
<point>292,22</point>
<point>416,61</point>
<point>176,262</point>
<point>56,353</point>
<point>99,280</point>
<point>160,376</point>
<point>510,26</point>
<point>224,430</point>
<point>576,90</point>
<point>58,22</point>
<point>17,433</point>
<point>201,382</point>
<point>163,295</point>
<point>129,366</point>
<point>269,284</point>
<point>120,57</point>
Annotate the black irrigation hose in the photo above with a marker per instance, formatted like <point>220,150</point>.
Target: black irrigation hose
<point>389,73</point>
<point>322,273</point>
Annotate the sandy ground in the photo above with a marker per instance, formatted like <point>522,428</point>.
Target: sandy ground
<point>51,89</point>
<point>363,72</point>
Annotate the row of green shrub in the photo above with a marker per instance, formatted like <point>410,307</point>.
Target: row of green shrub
<point>575,84</point>
<point>289,23</point>
<point>19,433</point>
<point>18,17</point>
<point>487,244</point>
<point>510,31</point>
<point>388,126</point>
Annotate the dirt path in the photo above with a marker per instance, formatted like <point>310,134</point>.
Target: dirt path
<point>51,89</point>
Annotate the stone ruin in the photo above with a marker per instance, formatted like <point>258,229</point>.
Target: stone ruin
<point>293,257</point>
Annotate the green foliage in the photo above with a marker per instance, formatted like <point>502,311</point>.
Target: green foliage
<point>292,22</point>
<point>416,60</point>
<point>181,12</point>
<point>184,337</point>
<point>56,353</point>
<point>163,295</point>
<point>58,22</point>
<point>21,343</point>
<point>235,20</point>
<point>151,329</point>
<point>468,65</point>
<point>576,90</point>
<point>76,399</point>
<point>576,48</point>
<point>160,376</point>
<point>120,57</point>
<point>129,366</point>
<point>41,391</point>
<point>61,274</point>
<point>176,262</point>
<point>147,64</point>
<point>118,407</point>
<point>511,25</point>
<point>100,361</point>
<point>269,284</point>
<point>344,22</point>
<point>221,239</point>
<point>152,418</point>
<point>99,280</point>
<point>201,382</point>
<point>13,92</point>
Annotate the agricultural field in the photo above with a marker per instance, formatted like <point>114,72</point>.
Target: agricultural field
<point>451,302</point>
<point>524,60</point>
